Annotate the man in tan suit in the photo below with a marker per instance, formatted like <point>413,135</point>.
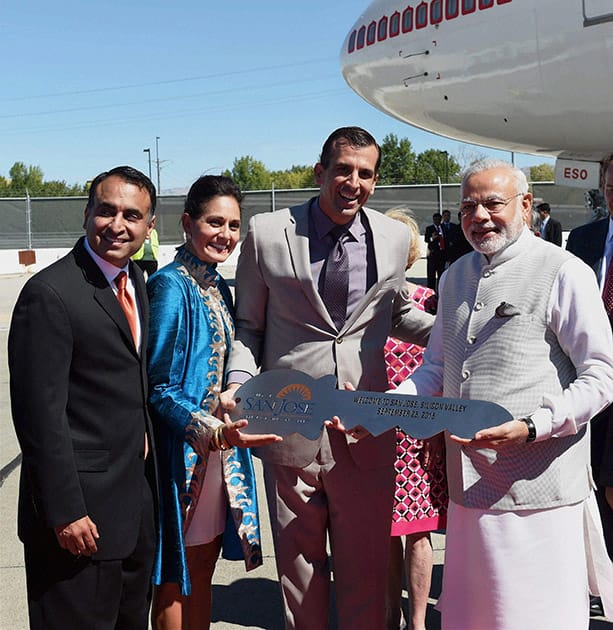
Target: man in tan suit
<point>288,318</point>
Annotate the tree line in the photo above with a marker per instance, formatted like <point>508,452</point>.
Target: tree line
<point>24,179</point>
<point>400,164</point>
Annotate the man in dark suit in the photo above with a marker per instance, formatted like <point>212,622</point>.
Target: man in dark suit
<point>435,239</point>
<point>449,235</point>
<point>593,243</point>
<point>456,244</point>
<point>78,396</point>
<point>551,230</point>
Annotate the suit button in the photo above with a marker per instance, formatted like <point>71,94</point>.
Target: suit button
<point>465,374</point>
<point>478,306</point>
<point>472,339</point>
<point>339,340</point>
<point>487,273</point>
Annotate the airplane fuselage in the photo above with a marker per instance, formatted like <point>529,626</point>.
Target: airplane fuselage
<point>532,76</point>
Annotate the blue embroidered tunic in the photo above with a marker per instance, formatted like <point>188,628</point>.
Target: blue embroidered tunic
<point>190,336</point>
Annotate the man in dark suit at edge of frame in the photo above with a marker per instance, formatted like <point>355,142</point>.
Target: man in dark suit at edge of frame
<point>593,243</point>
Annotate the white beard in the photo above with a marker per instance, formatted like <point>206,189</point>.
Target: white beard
<point>495,243</point>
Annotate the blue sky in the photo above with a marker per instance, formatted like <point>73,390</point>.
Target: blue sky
<point>89,85</point>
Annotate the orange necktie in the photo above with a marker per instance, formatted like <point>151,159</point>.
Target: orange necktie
<point>127,303</point>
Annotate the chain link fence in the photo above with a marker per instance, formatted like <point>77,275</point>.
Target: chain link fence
<point>58,222</point>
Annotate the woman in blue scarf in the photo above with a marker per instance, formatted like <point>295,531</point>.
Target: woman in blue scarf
<point>207,485</point>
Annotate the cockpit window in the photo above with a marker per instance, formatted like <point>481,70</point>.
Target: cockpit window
<point>351,44</point>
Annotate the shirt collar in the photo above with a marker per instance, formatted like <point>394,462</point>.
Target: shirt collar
<point>323,224</point>
<point>109,271</point>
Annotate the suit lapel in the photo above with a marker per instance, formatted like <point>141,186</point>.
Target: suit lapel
<point>364,302</point>
<point>143,308</point>
<point>380,245</point>
<point>380,239</point>
<point>297,236</point>
<point>103,293</point>
<point>601,247</point>
<point>143,301</point>
<point>108,301</point>
<point>595,247</point>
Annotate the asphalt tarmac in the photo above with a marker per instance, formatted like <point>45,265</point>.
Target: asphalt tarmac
<point>240,600</point>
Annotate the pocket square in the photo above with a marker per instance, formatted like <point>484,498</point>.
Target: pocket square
<point>504,309</point>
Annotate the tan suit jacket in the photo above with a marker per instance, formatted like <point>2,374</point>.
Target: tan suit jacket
<point>282,322</point>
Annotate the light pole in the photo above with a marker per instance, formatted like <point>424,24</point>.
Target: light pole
<point>148,152</point>
<point>157,160</point>
<point>446,166</point>
<point>440,186</point>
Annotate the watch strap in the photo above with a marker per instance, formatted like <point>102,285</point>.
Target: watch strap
<point>531,428</point>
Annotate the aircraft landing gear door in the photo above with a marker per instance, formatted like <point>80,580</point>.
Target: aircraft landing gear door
<point>597,12</point>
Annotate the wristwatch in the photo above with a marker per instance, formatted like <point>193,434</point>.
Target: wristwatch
<point>531,428</point>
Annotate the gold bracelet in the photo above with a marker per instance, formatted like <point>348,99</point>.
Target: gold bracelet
<point>224,445</point>
<point>213,444</point>
<point>216,439</point>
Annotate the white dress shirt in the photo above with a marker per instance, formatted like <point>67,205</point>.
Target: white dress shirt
<point>110,272</point>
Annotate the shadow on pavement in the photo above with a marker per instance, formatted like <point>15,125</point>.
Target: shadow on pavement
<point>248,602</point>
<point>256,603</point>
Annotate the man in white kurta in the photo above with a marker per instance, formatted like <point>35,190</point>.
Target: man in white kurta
<point>520,322</point>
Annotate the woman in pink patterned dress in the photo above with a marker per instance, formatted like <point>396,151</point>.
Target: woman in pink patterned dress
<point>420,500</point>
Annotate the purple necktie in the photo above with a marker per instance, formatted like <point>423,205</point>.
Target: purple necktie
<point>336,277</point>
